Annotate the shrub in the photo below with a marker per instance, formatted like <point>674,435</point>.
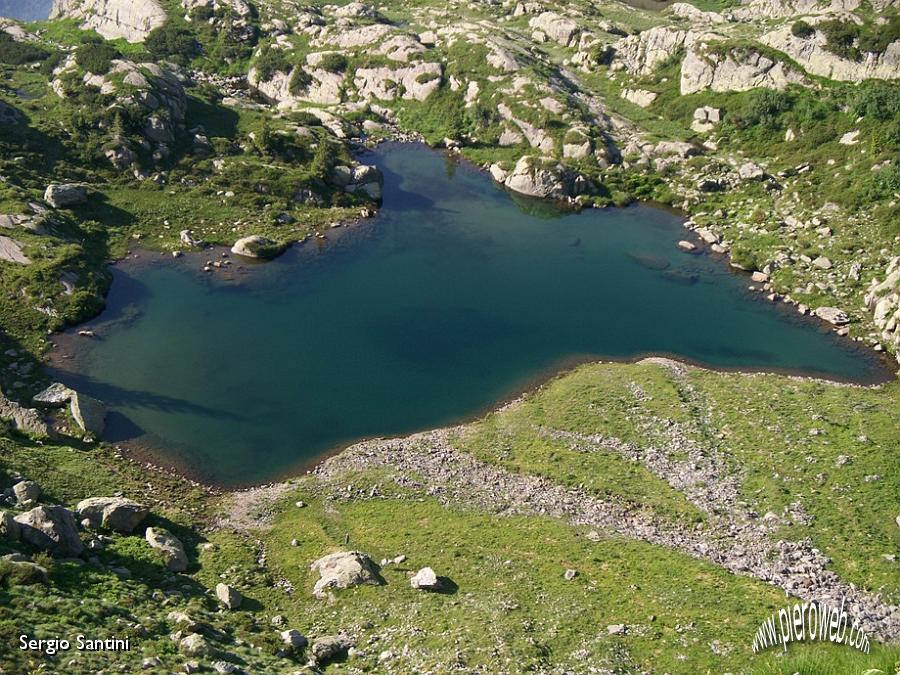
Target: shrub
<point>801,29</point>
<point>300,80</point>
<point>877,38</point>
<point>18,53</point>
<point>764,107</point>
<point>96,57</point>
<point>172,42</point>
<point>271,61</point>
<point>333,62</point>
<point>876,100</point>
<point>840,38</point>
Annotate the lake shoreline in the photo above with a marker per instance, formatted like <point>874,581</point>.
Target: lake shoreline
<point>243,267</point>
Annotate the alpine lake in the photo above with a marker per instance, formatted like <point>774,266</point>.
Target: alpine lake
<point>457,296</point>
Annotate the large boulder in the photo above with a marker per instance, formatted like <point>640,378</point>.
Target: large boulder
<point>26,420</point>
<point>51,528</point>
<point>558,28</point>
<point>129,19</point>
<point>368,180</point>
<point>169,546</point>
<point>832,315</point>
<point>9,527</point>
<point>329,647</point>
<point>229,596</point>
<point>27,493</point>
<point>543,177</point>
<point>88,413</point>
<point>256,246</point>
<point>113,513</point>
<point>59,195</point>
<point>344,569</point>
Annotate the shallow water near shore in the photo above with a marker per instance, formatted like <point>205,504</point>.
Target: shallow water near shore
<point>455,297</point>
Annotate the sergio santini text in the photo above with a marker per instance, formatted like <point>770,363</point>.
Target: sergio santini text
<point>81,643</point>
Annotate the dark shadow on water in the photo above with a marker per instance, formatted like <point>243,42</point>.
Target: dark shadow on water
<point>118,397</point>
<point>119,428</point>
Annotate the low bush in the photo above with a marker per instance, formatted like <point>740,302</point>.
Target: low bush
<point>801,29</point>
<point>17,53</point>
<point>96,58</point>
<point>172,42</point>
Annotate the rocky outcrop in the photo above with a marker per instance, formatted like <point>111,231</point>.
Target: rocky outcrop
<point>26,420</point>
<point>344,569</point>
<point>558,28</point>
<point>737,69</point>
<point>815,58</point>
<point>51,528</point>
<point>89,413</point>
<point>706,118</point>
<point>542,177</point>
<point>113,513</point>
<point>129,19</point>
<point>11,251</point>
<point>322,87</point>
<point>883,300</point>
<point>416,81</point>
<point>363,179</point>
<point>169,546</point>
<point>641,54</point>
<point>27,492</point>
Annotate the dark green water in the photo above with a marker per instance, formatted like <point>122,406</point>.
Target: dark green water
<point>454,298</point>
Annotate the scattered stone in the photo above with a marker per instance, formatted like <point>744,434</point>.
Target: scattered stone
<point>425,580</point>
<point>686,246</point>
<point>570,574</point>
<point>169,546</point>
<point>194,645</point>
<point>617,629</point>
